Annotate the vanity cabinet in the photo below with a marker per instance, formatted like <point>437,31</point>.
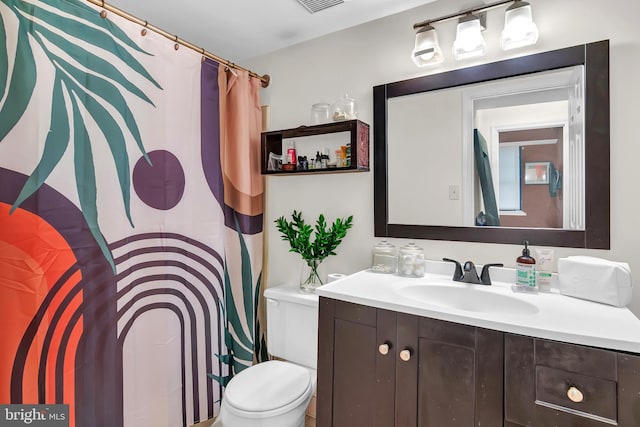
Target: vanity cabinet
<point>549,383</point>
<point>380,368</point>
<point>356,383</point>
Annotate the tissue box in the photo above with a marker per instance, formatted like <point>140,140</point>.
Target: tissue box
<point>595,279</point>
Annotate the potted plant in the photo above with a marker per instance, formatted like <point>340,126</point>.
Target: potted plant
<point>325,242</point>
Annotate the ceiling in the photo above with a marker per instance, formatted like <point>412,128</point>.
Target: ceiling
<point>240,29</point>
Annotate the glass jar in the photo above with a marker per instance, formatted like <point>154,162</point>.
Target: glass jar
<point>344,109</point>
<point>385,259</point>
<point>320,113</point>
<point>411,261</point>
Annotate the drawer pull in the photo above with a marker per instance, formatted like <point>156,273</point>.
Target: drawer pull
<point>575,395</point>
<point>405,355</point>
<point>383,349</point>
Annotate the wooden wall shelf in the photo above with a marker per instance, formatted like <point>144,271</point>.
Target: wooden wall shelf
<point>271,142</point>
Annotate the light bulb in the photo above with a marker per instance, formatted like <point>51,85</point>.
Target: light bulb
<point>427,50</point>
<point>519,28</point>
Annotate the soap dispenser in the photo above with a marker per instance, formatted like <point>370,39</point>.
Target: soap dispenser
<point>526,271</point>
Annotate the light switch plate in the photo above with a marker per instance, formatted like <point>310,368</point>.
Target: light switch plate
<point>454,192</point>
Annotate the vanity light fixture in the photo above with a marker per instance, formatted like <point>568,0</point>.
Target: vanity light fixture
<point>469,41</point>
<point>519,30</point>
<point>427,49</point>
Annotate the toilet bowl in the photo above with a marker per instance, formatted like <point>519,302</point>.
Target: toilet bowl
<point>276,393</point>
<point>270,394</point>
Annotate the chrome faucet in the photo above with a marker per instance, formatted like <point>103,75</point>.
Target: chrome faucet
<point>468,273</point>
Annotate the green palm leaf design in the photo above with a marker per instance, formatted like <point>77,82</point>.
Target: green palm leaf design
<point>260,343</point>
<point>21,85</point>
<point>239,342</point>
<point>4,71</point>
<point>86,77</point>
<point>54,146</point>
<point>86,13</point>
<point>86,184</point>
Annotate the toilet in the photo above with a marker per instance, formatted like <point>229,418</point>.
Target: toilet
<point>276,393</point>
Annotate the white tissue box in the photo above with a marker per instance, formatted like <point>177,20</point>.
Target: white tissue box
<point>595,279</point>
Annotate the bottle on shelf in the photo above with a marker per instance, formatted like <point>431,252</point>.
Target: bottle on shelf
<point>291,152</point>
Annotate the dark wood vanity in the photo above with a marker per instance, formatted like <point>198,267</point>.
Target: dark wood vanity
<point>383,368</point>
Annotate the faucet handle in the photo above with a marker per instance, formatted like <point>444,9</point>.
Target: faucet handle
<point>484,276</point>
<point>457,275</point>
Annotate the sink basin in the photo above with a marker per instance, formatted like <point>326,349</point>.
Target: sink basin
<point>470,298</point>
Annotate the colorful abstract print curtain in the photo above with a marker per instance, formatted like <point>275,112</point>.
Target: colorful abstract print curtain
<point>125,277</point>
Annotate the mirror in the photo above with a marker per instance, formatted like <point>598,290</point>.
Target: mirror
<point>536,118</point>
<point>501,152</point>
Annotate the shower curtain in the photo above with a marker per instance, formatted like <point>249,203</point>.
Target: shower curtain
<point>130,219</point>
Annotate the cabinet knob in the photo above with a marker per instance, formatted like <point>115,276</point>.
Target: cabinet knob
<point>405,355</point>
<point>383,349</point>
<point>575,395</point>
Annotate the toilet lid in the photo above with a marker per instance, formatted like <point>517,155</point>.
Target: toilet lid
<point>267,386</point>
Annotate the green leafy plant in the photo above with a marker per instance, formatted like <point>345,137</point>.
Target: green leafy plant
<point>325,241</point>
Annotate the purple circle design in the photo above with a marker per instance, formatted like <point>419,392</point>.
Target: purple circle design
<point>160,186</point>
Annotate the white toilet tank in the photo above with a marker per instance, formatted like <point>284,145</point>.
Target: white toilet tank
<point>292,325</point>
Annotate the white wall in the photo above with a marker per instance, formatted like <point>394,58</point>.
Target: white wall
<point>354,60</point>
<point>428,159</point>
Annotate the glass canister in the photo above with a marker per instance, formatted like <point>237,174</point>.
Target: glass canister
<point>411,261</point>
<point>385,259</point>
<point>320,113</point>
<point>344,109</point>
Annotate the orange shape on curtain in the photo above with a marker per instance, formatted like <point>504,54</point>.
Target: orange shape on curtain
<point>33,256</point>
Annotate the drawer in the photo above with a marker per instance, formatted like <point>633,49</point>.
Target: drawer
<point>598,395</point>
<point>583,360</point>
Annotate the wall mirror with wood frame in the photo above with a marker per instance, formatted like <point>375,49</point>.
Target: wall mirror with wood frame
<point>500,152</point>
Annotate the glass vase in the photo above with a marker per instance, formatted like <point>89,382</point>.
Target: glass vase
<point>311,275</point>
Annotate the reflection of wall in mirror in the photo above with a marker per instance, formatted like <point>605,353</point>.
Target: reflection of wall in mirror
<point>493,121</point>
<point>424,153</point>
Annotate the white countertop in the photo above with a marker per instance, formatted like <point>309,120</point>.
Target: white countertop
<point>547,315</point>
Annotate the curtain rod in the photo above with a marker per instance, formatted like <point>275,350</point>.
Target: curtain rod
<point>265,79</point>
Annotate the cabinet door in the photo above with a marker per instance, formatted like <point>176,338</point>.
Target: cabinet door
<point>355,379</point>
<point>453,377</point>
